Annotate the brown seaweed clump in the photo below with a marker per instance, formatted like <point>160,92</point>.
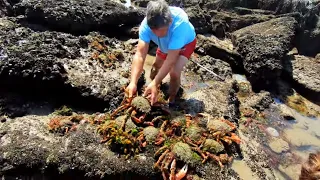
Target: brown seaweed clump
<point>311,169</point>
<point>107,57</point>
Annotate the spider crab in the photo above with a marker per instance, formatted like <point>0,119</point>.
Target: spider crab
<point>172,153</point>
<point>221,129</point>
<point>137,108</point>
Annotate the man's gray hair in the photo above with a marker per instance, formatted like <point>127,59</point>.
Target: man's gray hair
<point>158,14</point>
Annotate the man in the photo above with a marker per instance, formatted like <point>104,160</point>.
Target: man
<point>170,29</point>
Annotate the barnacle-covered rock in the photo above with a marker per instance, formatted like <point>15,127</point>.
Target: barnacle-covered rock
<point>212,146</point>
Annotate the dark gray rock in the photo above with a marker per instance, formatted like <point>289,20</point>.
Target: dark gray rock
<point>263,47</point>
<point>80,16</point>
<point>305,72</point>
<point>199,19</point>
<point>59,64</point>
<point>220,49</point>
<point>233,21</point>
<point>221,68</point>
<point>308,38</point>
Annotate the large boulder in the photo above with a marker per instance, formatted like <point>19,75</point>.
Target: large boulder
<point>308,38</point>
<point>233,21</point>
<point>263,47</point>
<point>304,72</point>
<point>86,70</point>
<point>80,16</point>
<point>220,49</point>
<point>199,19</point>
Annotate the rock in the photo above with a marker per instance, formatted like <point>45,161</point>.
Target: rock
<point>286,112</point>
<point>285,6</point>
<point>218,100</point>
<point>219,49</point>
<point>308,35</point>
<point>234,21</point>
<point>263,47</point>
<point>221,68</point>
<point>299,137</point>
<point>259,101</point>
<point>272,131</point>
<point>278,145</point>
<point>243,11</point>
<point>293,171</point>
<point>199,19</point>
<point>304,72</point>
<point>80,16</point>
<point>27,143</point>
<point>62,65</point>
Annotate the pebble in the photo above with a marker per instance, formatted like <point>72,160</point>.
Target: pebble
<point>273,132</point>
<point>279,145</point>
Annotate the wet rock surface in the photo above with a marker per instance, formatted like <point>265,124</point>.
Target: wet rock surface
<point>80,16</point>
<point>219,49</point>
<point>218,100</point>
<point>219,67</point>
<point>279,145</point>
<point>263,47</point>
<point>304,72</point>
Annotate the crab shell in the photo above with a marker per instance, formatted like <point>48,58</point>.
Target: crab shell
<point>141,104</point>
<point>220,125</point>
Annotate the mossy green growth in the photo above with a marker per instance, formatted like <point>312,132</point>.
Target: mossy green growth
<point>184,153</point>
<point>150,133</point>
<point>64,111</point>
<point>212,146</point>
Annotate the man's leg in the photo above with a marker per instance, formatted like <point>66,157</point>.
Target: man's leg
<point>175,77</point>
<point>160,57</point>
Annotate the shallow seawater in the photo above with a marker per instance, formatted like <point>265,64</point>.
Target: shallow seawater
<point>289,141</point>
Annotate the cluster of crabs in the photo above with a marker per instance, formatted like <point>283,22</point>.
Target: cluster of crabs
<point>180,138</point>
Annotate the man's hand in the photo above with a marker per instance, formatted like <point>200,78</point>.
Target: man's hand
<point>152,92</point>
<point>131,90</point>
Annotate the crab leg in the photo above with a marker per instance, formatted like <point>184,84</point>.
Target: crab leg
<point>119,109</point>
<point>160,150</point>
<point>161,158</point>
<point>182,173</point>
<point>216,158</point>
<point>173,170</point>
<point>123,126</point>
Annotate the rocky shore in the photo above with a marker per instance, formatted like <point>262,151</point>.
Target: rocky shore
<point>78,54</point>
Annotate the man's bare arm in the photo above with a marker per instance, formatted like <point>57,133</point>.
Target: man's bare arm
<point>171,60</point>
<point>138,61</point>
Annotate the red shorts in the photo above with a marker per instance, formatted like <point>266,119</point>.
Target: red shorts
<point>186,51</point>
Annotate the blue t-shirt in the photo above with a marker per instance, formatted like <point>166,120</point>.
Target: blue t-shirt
<point>180,32</point>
